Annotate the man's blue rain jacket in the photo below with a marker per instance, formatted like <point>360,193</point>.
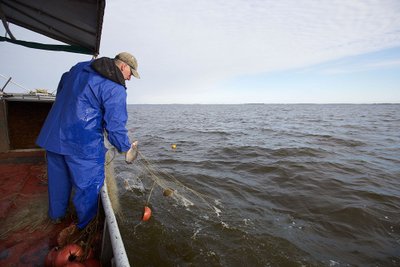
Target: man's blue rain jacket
<point>87,104</point>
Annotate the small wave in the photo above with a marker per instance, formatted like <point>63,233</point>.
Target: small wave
<point>238,152</point>
<point>258,168</point>
<point>298,152</point>
<point>225,225</point>
<point>217,211</point>
<point>130,181</point>
<point>250,152</point>
<point>332,140</point>
<point>214,132</point>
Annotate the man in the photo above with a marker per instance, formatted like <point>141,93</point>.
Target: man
<point>91,99</point>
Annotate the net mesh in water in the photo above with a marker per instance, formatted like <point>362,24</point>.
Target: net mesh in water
<point>145,178</point>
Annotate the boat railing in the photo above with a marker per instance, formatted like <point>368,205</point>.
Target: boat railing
<point>116,254</point>
<point>30,95</point>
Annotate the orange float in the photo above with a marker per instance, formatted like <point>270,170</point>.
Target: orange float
<point>68,254</point>
<point>146,214</point>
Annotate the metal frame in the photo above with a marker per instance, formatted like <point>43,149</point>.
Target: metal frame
<point>116,255</point>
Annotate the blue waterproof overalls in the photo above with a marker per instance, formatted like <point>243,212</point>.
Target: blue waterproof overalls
<point>86,105</point>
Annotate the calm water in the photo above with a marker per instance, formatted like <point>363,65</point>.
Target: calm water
<point>281,185</point>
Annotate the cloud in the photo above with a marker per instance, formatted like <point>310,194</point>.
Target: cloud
<point>189,46</point>
<point>186,48</point>
<point>362,67</point>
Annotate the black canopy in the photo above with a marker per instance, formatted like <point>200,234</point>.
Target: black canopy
<point>77,23</point>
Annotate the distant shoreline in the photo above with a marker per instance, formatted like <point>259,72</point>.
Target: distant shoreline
<point>259,104</point>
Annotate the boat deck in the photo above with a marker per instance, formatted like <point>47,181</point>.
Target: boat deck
<point>26,233</point>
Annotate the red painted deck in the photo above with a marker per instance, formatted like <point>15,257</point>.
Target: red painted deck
<point>26,234</point>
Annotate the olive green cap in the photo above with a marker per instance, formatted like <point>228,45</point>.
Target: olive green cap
<point>130,60</point>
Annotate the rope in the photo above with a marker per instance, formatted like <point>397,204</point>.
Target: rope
<point>151,191</point>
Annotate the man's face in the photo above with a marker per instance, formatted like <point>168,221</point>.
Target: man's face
<point>126,71</point>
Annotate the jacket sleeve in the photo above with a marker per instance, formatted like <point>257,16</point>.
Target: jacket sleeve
<point>61,83</point>
<point>115,117</point>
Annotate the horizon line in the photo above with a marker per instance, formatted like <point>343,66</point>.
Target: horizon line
<point>256,103</point>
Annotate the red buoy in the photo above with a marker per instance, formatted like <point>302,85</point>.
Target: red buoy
<point>146,214</point>
<point>69,253</point>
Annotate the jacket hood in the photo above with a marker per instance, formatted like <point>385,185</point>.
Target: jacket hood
<point>106,67</point>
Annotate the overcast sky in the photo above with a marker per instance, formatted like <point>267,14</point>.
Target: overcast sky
<point>238,51</point>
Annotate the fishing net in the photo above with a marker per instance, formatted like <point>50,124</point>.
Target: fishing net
<point>88,238</point>
<point>144,178</point>
<point>23,200</point>
<point>111,183</point>
<point>170,185</point>
<point>29,215</point>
